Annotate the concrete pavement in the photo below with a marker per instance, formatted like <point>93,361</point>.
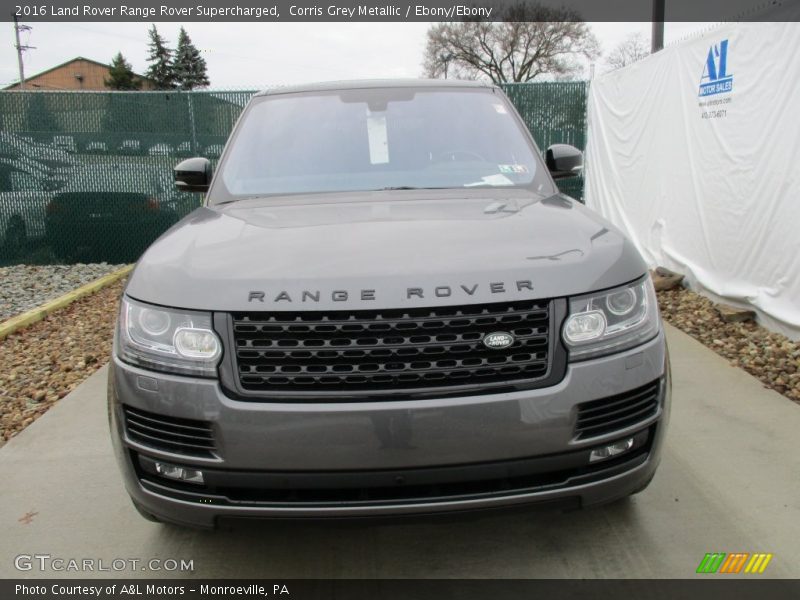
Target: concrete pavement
<point>729,482</point>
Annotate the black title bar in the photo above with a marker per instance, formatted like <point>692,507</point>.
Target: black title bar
<point>710,588</point>
<point>396,10</point>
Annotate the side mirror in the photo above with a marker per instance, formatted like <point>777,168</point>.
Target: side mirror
<point>193,175</point>
<point>563,160</point>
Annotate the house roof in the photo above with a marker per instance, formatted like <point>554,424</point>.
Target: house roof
<point>64,64</point>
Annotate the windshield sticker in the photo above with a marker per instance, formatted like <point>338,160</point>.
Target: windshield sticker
<point>492,180</point>
<point>378,139</point>
<point>512,168</point>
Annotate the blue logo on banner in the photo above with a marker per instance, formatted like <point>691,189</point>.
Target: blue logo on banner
<point>715,78</point>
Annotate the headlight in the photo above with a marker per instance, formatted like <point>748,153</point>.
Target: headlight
<point>177,341</point>
<point>611,321</point>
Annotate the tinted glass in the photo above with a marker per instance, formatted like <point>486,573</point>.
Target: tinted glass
<point>377,139</point>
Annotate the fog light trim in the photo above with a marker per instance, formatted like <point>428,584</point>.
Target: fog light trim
<point>177,473</point>
<point>611,450</point>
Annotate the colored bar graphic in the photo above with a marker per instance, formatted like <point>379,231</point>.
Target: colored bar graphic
<point>734,562</point>
<point>711,562</point>
<point>758,563</point>
<point>741,562</point>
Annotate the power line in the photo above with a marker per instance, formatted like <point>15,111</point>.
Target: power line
<point>20,49</point>
<point>657,35</point>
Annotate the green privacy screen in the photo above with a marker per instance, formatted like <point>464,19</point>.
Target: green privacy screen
<point>87,176</point>
<point>555,113</point>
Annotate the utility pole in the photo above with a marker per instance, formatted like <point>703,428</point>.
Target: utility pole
<point>657,36</point>
<point>20,49</point>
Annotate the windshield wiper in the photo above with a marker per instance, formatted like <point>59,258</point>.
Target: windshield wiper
<point>383,189</point>
<point>242,199</point>
<point>406,187</point>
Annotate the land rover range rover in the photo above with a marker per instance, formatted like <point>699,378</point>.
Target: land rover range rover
<point>385,306</point>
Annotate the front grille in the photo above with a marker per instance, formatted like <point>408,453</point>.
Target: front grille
<point>170,434</point>
<point>617,412</point>
<point>383,350</point>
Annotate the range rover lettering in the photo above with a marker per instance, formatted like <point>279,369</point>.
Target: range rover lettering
<point>385,307</point>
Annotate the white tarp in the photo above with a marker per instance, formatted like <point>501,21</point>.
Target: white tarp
<point>695,153</point>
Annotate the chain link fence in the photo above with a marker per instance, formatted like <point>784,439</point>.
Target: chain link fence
<point>87,176</point>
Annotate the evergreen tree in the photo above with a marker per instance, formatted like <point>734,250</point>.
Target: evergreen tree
<point>121,76</point>
<point>188,68</point>
<point>160,58</point>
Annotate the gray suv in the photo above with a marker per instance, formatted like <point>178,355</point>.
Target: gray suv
<point>385,307</point>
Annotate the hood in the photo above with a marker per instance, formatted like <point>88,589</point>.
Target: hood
<point>383,249</point>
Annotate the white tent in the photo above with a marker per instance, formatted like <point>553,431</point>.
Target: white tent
<point>695,153</point>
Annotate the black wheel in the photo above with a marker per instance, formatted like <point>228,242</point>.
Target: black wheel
<point>16,236</point>
<point>147,515</point>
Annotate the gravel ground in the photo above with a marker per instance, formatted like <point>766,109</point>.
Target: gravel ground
<point>770,357</point>
<point>24,287</point>
<point>45,361</point>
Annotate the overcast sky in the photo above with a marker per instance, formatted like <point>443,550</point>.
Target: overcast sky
<point>251,55</point>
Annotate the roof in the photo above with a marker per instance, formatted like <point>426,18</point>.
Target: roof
<point>328,86</point>
<point>64,64</point>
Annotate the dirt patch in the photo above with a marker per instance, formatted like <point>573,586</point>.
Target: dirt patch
<point>770,357</point>
<point>44,362</point>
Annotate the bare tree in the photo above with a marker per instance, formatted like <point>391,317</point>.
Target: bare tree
<point>529,42</point>
<point>631,49</point>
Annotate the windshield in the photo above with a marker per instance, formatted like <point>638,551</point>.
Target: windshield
<point>375,139</point>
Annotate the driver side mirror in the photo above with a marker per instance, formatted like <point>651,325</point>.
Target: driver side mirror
<point>563,160</point>
<point>193,175</point>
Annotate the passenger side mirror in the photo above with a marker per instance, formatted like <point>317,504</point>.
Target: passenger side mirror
<point>564,160</point>
<point>193,175</point>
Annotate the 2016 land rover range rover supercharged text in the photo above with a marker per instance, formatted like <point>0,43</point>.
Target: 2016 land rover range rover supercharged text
<point>385,307</point>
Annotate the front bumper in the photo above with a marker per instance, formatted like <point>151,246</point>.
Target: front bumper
<point>389,457</point>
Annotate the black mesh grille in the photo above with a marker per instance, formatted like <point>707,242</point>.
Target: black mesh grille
<point>617,412</point>
<point>171,434</point>
<point>378,350</point>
